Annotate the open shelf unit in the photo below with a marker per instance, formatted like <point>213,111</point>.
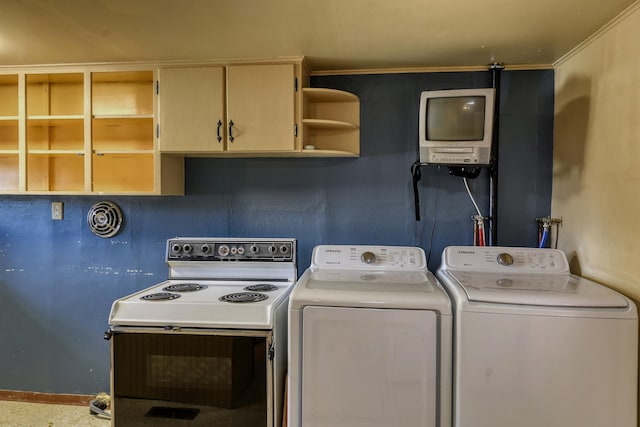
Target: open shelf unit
<point>331,121</point>
<point>83,130</point>
<point>55,131</point>
<point>122,118</point>
<point>9,135</point>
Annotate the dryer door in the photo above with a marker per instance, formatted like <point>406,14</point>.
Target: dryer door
<point>369,367</point>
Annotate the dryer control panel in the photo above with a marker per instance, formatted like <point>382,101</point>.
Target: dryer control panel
<point>501,259</point>
<point>354,257</point>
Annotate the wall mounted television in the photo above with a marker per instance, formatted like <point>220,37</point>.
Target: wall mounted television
<point>456,126</point>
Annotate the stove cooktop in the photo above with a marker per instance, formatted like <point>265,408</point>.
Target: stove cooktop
<point>213,284</point>
<point>220,304</point>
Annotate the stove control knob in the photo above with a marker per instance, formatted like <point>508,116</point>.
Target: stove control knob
<point>368,257</point>
<point>223,250</point>
<point>176,248</point>
<point>505,259</point>
<point>254,249</point>
<point>272,249</point>
<point>205,249</point>
<point>187,248</point>
<point>284,249</point>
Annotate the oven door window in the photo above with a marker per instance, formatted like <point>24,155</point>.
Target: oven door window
<point>185,379</point>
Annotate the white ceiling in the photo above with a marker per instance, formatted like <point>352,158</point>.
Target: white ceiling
<point>332,34</point>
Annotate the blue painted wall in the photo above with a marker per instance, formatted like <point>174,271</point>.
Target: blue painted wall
<point>58,280</point>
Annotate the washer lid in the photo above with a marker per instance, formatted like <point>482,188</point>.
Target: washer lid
<point>552,290</point>
<point>370,289</point>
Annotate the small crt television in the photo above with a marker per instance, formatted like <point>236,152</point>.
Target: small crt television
<point>456,126</point>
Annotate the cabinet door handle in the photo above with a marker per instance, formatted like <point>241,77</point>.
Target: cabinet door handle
<point>219,138</point>
<point>231,130</point>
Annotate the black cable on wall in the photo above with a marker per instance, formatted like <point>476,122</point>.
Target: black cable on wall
<point>496,70</point>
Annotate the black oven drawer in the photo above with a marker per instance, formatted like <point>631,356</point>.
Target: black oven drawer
<point>189,377</point>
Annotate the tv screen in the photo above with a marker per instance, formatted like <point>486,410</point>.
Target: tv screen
<point>456,126</point>
<point>460,118</point>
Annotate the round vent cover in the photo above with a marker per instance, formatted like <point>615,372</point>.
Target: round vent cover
<point>104,219</point>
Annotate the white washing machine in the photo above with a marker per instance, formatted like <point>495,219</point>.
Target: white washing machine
<point>535,345</point>
<point>369,341</point>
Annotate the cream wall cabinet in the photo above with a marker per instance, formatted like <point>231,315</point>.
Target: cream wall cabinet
<point>125,128</point>
<point>242,109</point>
<point>82,131</point>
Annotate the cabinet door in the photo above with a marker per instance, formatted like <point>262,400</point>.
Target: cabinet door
<point>260,108</point>
<point>191,109</point>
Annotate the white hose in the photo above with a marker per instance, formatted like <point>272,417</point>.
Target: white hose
<point>466,184</point>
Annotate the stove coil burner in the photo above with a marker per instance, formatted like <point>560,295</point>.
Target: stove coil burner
<point>243,297</point>
<point>184,287</point>
<point>160,296</point>
<point>261,287</point>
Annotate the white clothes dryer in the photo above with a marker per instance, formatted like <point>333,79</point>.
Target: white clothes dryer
<point>535,345</point>
<point>369,341</point>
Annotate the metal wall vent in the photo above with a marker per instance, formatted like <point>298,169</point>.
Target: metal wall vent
<point>104,219</point>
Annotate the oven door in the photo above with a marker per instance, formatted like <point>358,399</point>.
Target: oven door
<point>182,377</point>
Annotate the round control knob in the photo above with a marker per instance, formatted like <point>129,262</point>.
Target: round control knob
<point>253,249</point>
<point>223,250</point>
<point>505,283</point>
<point>176,248</point>
<point>205,249</point>
<point>272,249</point>
<point>187,248</point>
<point>368,257</point>
<point>284,249</point>
<point>505,259</point>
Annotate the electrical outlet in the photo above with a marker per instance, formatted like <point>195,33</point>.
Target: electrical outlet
<point>57,210</point>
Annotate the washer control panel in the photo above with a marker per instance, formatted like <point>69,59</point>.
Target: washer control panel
<point>349,257</point>
<point>512,259</point>
<point>184,249</point>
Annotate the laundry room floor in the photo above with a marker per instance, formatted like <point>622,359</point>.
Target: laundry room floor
<point>23,414</point>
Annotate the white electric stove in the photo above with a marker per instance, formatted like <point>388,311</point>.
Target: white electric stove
<point>207,345</point>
